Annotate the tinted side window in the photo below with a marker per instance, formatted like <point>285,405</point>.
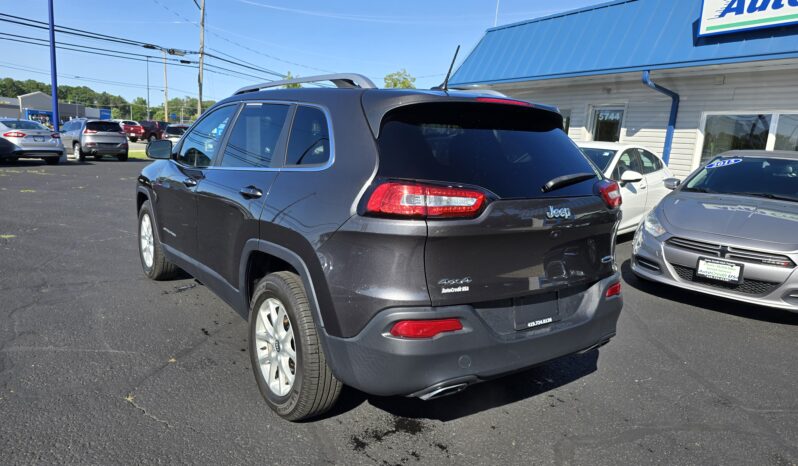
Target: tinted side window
<point>309,142</point>
<point>200,145</point>
<point>650,163</point>
<point>627,161</point>
<point>253,139</point>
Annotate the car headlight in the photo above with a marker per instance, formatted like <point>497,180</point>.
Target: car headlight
<point>652,225</point>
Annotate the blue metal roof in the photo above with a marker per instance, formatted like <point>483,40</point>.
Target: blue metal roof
<point>615,37</point>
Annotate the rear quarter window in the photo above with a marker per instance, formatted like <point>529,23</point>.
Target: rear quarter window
<point>511,151</point>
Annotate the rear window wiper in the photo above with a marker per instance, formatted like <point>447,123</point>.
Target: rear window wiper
<point>566,180</point>
<point>777,197</point>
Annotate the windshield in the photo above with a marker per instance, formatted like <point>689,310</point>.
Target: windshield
<point>23,124</point>
<point>775,178</point>
<point>600,157</point>
<point>175,130</point>
<point>509,150</point>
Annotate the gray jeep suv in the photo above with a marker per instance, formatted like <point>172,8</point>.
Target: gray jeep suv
<point>402,242</point>
<point>96,138</point>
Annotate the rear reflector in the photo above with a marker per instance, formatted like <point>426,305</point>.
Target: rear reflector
<point>424,201</point>
<point>425,328</point>
<point>613,290</point>
<point>610,192</point>
<point>493,100</point>
<point>14,134</point>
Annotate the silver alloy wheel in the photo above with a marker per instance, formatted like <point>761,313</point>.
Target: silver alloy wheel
<point>147,243</point>
<point>275,346</point>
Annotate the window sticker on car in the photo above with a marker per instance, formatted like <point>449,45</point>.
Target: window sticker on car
<point>724,163</point>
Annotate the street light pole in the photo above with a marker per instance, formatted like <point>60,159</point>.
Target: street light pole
<point>201,56</point>
<point>53,73</point>
<point>165,89</point>
<point>148,88</point>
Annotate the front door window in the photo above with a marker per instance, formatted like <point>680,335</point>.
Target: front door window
<point>607,124</point>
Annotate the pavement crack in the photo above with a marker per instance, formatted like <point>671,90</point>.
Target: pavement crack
<point>130,398</point>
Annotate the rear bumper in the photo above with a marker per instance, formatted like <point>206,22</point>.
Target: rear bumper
<point>105,150</point>
<point>379,364</point>
<point>34,153</point>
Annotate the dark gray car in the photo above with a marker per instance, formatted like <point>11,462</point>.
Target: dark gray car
<point>730,230</point>
<point>96,138</point>
<point>400,242</point>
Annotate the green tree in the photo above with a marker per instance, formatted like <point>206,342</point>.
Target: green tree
<point>400,79</point>
<point>291,86</point>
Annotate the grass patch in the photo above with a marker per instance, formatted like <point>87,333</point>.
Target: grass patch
<point>137,154</point>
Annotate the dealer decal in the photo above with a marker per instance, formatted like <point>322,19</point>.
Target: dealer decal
<point>724,163</point>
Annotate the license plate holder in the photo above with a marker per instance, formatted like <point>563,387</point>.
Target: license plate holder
<point>38,138</point>
<point>536,311</point>
<point>708,268</point>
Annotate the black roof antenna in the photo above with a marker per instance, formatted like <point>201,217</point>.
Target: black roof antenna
<point>445,85</point>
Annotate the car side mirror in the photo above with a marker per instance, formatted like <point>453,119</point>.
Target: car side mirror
<point>160,149</point>
<point>631,176</point>
<point>672,183</point>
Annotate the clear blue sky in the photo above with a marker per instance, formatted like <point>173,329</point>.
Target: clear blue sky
<point>306,37</point>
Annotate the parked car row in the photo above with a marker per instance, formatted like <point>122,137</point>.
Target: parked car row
<point>144,130</point>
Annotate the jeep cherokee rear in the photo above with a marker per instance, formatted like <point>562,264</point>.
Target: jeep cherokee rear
<point>400,242</point>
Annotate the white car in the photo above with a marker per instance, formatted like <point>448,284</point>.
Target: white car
<point>640,173</point>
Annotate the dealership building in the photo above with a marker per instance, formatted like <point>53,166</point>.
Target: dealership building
<point>685,78</point>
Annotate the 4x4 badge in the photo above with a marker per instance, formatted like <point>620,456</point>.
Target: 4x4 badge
<point>563,212</point>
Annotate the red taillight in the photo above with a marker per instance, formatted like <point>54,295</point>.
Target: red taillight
<point>494,100</point>
<point>89,131</point>
<point>613,290</point>
<point>610,192</point>
<point>425,328</point>
<point>14,134</point>
<point>424,201</point>
<point>55,136</point>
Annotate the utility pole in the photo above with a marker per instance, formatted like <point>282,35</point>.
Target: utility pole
<point>53,73</point>
<point>201,55</point>
<point>496,17</point>
<point>165,89</point>
<point>148,88</point>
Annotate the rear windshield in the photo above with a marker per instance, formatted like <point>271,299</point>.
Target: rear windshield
<point>512,151</point>
<point>176,130</point>
<point>749,176</point>
<point>600,157</point>
<point>104,126</point>
<point>22,124</point>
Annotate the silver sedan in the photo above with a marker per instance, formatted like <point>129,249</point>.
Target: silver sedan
<point>29,139</point>
<point>729,230</point>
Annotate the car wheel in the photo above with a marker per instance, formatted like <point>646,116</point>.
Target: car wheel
<point>287,358</point>
<point>52,160</point>
<point>77,152</point>
<point>155,265</point>
<point>122,157</point>
<point>151,138</point>
<point>134,139</point>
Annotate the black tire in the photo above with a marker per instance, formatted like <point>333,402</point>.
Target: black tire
<point>133,139</point>
<point>76,150</point>
<point>122,157</point>
<point>315,389</point>
<point>151,138</point>
<point>52,160</point>
<point>161,269</point>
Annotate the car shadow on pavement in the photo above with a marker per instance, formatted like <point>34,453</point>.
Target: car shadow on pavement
<point>496,393</point>
<point>716,304</point>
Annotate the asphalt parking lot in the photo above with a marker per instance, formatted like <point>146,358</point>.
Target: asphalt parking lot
<point>100,365</point>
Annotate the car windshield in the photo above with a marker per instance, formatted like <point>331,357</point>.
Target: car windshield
<point>175,130</point>
<point>23,124</point>
<point>774,178</point>
<point>600,157</point>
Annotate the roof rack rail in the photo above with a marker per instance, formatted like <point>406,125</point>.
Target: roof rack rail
<point>341,80</point>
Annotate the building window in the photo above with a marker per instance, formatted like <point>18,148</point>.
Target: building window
<point>734,132</point>
<point>787,132</point>
<point>607,124</point>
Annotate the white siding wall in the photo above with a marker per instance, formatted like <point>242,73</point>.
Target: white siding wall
<point>647,111</point>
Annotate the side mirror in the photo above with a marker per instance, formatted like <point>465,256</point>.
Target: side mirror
<point>160,149</point>
<point>672,183</point>
<point>631,176</point>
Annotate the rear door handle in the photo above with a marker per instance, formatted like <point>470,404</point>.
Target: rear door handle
<point>190,182</point>
<point>251,192</point>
